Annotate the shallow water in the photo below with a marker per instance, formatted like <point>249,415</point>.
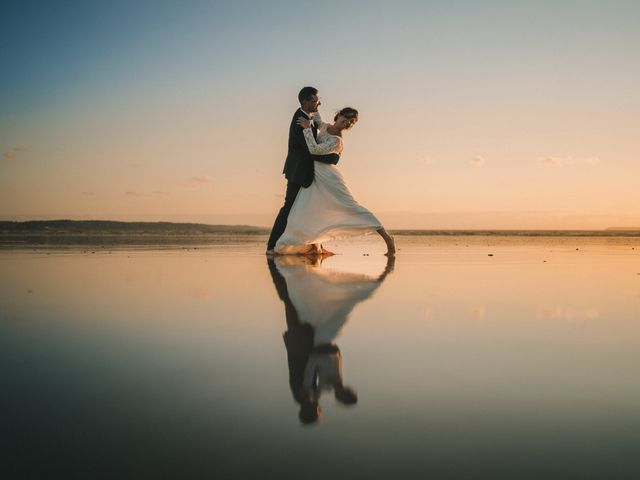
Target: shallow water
<point>134,362</point>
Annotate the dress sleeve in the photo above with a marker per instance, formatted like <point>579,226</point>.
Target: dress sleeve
<point>317,119</point>
<point>331,145</point>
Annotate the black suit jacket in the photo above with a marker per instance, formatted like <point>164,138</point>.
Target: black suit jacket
<point>298,168</point>
<point>298,339</point>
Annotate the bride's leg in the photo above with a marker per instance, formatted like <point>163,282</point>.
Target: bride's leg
<point>388,240</point>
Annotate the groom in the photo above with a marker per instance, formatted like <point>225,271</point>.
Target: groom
<point>298,168</point>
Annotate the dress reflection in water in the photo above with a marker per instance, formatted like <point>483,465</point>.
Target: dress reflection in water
<point>318,302</point>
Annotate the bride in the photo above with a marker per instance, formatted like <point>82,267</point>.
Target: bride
<point>326,210</point>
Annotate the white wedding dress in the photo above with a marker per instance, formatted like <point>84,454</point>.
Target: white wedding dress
<point>325,210</point>
<point>322,297</point>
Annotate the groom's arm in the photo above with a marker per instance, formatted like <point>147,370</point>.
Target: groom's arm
<point>297,137</point>
<point>298,142</point>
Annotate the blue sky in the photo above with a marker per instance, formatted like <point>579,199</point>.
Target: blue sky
<point>544,93</point>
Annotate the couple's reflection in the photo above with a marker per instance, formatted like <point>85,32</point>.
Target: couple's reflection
<point>317,302</point>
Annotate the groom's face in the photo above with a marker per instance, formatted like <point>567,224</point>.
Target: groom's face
<point>311,105</point>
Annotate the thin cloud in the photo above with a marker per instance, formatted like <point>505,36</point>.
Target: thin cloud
<point>11,154</point>
<point>568,313</point>
<point>477,161</point>
<point>588,160</point>
<point>428,161</point>
<point>567,161</point>
<point>550,161</point>
<point>478,312</point>
<point>131,193</point>
<point>200,179</point>
<point>134,193</point>
<point>88,193</point>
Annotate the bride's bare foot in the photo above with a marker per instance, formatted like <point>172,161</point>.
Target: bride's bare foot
<point>318,249</point>
<point>314,250</point>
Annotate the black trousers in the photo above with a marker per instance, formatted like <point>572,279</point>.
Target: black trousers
<point>281,220</point>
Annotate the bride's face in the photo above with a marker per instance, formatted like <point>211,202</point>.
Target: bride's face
<point>344,123</point>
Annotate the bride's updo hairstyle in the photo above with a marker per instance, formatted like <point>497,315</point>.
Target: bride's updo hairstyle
<point>348,113</point>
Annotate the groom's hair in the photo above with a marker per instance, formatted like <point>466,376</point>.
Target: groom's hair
<point>306,93</point>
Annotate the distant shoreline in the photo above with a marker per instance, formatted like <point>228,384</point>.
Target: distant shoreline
<point>105,232</point>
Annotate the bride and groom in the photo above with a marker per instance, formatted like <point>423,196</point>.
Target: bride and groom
<point>318,205</point>
<point>318,302</point>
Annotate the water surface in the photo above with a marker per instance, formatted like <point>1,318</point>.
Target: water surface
<point>466,358</point>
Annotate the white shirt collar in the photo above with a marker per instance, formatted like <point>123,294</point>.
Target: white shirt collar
<point>309,115</point>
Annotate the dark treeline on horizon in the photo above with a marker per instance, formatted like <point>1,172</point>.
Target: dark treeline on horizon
<point>53,227</point>
<point>113,227</point>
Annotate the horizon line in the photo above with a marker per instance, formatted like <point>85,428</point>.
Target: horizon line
<point>613,227</point>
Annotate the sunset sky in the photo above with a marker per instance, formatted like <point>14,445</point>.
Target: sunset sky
<point>474,114</point>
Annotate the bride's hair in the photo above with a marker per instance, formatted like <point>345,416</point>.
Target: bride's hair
<point>347,112</point>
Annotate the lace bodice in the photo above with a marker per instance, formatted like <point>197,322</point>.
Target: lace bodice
<point>326,144</point>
